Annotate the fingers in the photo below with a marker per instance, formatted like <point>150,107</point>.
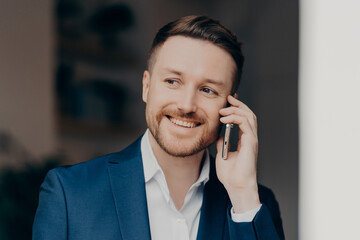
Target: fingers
<point>237,103</point>
<point>239,114</point>
<point>246,127</point>
<point>238,107</point>
<point>219,144</point>
<point>248,114</point>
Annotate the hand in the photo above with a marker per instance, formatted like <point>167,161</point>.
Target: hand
<point>238,172</point>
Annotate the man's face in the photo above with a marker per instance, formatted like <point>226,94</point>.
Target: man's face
<point>187,86</point>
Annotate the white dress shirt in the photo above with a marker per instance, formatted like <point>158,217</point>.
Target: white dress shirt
<point>166,222</point>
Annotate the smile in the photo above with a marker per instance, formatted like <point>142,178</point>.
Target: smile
<point>183,123</point>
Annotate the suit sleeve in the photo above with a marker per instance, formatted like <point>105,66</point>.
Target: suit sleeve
<point>51,218</point>
<point>267,224</point>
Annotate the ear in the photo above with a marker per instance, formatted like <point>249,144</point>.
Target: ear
<point>146,85</point>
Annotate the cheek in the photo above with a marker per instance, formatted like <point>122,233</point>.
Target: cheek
<point>155,105</point>
<point>211,107</point>
<point>213,115</point>
<point>154,98</point>
<point>158,94</point>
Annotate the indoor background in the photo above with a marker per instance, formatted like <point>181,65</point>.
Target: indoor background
<point>70,88</point>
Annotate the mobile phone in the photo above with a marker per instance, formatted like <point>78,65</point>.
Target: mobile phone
<point>225,148</point>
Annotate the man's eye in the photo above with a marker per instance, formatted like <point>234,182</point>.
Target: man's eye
<point>172,81</point>
<point>208,90</point>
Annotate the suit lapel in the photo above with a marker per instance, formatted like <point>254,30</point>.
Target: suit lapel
<point>128,187</point>
<point>214,208</point>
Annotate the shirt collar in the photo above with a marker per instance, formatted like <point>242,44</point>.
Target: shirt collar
<point>151,166</point>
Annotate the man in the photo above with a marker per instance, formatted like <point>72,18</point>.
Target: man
<point>165,185</point>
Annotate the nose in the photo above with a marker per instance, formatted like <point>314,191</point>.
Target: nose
<point>187,102</point>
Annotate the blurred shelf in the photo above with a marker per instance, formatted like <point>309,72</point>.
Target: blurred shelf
<point>96,129</point>
<point>88,49</point>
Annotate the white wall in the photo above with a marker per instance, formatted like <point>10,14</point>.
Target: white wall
<point>329,119</point>
<point>26,73</point>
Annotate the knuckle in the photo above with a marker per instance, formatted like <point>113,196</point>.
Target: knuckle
<point>254,117</point>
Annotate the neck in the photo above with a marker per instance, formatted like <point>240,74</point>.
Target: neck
<point>180,172</point>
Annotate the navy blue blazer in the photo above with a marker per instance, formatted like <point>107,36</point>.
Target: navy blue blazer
<point>105,199</point>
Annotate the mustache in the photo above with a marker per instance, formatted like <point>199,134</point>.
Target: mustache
<point>189,116</point>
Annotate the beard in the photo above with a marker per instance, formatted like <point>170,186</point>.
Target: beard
<point>177,146</point>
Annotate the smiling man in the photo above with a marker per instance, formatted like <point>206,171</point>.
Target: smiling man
<point>165,185</point>
<point>184,91</point>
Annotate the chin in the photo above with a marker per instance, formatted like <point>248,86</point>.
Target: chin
<point>180,150</point>
<point>183,147</point>
<point>180,145</point>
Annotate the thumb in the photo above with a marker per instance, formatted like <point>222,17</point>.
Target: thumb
<point>219,144</point>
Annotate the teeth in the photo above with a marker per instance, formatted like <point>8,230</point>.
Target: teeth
<point>183,123</point>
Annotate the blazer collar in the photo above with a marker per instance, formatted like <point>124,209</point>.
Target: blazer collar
<point>128,187</point>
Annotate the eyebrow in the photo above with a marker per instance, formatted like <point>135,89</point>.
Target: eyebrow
<point>170,70</point>
<point>208,80</point>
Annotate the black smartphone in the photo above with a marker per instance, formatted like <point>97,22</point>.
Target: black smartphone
<point>226,141</point>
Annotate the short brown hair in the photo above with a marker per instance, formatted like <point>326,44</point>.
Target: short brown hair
<point>205,28</point>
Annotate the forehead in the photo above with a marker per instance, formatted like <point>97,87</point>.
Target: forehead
<point>194,57</point>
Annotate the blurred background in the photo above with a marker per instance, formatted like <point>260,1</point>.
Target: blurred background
<point>70,88</point>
